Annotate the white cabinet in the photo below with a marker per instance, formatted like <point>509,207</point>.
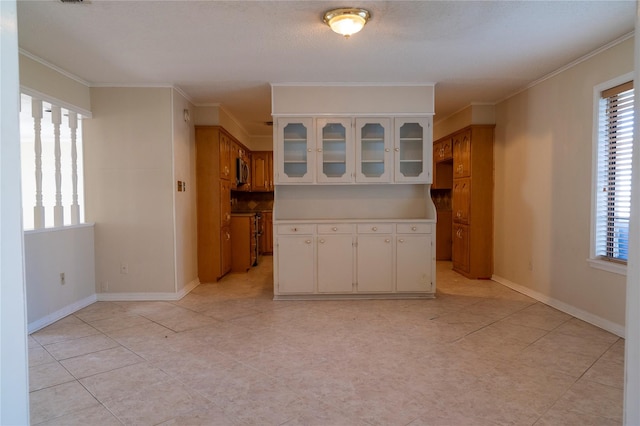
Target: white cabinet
<point>335,258</point>
<point>334,151</point>
<point>374,154</point>
<point>326,259</point>
<point>414,258</point>
<point>295,150</point>
<point>295,250</point>
<point>413,149</point>
<point>347,150</point>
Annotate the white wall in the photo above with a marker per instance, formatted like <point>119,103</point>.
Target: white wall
<point>543,146</point>
<point>14,382</point>
<point>48,253</point>
<point>184,169</point>
<point>129,190</point>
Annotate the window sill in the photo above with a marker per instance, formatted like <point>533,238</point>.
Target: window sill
<point>616,268</point>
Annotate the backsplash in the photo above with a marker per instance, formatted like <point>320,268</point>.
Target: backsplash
<point>251,201</point>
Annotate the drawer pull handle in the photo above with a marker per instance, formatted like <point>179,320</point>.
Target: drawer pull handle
<point>413,228</point>
<point>375,228</point>
<point>308,241</point>
<point>321,241</point>
<point>387,240</point>
<point>401,240</point>
<point>335,228</point>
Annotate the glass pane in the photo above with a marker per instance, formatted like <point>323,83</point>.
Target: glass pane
<point>295,150</point>
<point>411,146</point>
<point>372,150</point>
<point>334,150</point>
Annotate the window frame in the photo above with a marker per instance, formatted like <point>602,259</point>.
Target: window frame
<point>595,261</point>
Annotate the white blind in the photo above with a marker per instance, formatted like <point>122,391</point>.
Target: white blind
<point>615,145</point>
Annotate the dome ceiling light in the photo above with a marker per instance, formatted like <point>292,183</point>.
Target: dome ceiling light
<point>346,21</point>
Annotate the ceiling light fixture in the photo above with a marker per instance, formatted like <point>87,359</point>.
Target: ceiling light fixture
<point>346,21</point>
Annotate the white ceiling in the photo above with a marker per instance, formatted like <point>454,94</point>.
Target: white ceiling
<point>228,52</point>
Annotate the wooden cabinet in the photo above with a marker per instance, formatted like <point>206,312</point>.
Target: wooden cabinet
<point>323,151</point>
<point>442,150</point>
<point>443,235</point>
<point>472,251</point>
<point>266,239</point>
<point>243,242</point>
<point>387,258</point>
<point>262,171</point>
<point>213,188</point>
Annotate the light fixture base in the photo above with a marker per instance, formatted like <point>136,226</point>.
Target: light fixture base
<point>346,21</point>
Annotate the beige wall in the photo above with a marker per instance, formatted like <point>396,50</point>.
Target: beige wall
<point>128,175</point>
<point>218,116</point>
<point>472,114</point>
<point>184,160</point>
<point>543,161</point>
<point>38,77</point>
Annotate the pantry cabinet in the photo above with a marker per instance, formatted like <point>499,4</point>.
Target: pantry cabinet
<point>472,203</point>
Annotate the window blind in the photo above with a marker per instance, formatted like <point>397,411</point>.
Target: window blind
<point>615,146</point>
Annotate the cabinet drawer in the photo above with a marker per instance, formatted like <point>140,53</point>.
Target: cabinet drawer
<point>375,228</point>
<point>295,229</point>
<point>335,228</point>
<point>413,228</point>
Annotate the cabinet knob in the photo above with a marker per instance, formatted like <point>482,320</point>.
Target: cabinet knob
<point>294,229</point>
<point>307,241</point>
<point>387,150</point>
<point>335,228</point>
<point>401,240</point>
<point>375,228</point>
<point>396,149</point>
<point>321,241</point>
<point>458,213</point>
<point>413,228</point>
<point>319,149</point>
<point>387,240</point>
<point>309,150</point>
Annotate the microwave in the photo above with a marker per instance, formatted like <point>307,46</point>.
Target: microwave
<point>242,172</point>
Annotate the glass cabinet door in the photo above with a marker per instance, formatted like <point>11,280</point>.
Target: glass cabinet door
<point>334,150</point>
<point>413,150</point>
<point>295,139</point>
<point>373,150</point>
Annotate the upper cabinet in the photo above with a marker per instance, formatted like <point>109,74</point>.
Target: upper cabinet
<point>413,149</point>
<point>353,150</point>
<point>262,171</point>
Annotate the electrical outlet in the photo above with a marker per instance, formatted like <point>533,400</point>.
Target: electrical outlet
<point>62,279</point>
<point>124,268</point>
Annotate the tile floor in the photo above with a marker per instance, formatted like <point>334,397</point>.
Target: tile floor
<point>226,354</point>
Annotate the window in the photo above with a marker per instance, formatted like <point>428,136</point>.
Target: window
<point>613,174</point>
<point>51,162</point>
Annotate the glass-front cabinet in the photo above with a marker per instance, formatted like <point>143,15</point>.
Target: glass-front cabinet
<point>412,149</point>
<point>296,150</point>
<point>373,150</point>
<point>334,151</point>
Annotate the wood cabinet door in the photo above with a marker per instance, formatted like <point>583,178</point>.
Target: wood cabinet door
<point>462,154</point>
<point>375,263</point>
<point>460,250</point>
<point>262,171</point>
<point>225,156</point>
<point>225,250</point>
<point>461,200</point>
<point>225,203</point>
<point>335,263</point>
<point>413,262</point>
<point>442,150</point>
<point>296,258</point>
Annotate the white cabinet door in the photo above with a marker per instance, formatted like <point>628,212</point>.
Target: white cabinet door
<point>335,263</point>
<point>413,263</point>
<point>413,149</point>
<point>375,263</point>
<point>373,150</point>
<point>296,150</point>
<point>334,150</point>
<point>296,258</point>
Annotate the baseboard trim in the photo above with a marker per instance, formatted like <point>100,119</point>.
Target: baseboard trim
<point>605,324</point>
<point>38,324</point>
<point>135,297</point>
